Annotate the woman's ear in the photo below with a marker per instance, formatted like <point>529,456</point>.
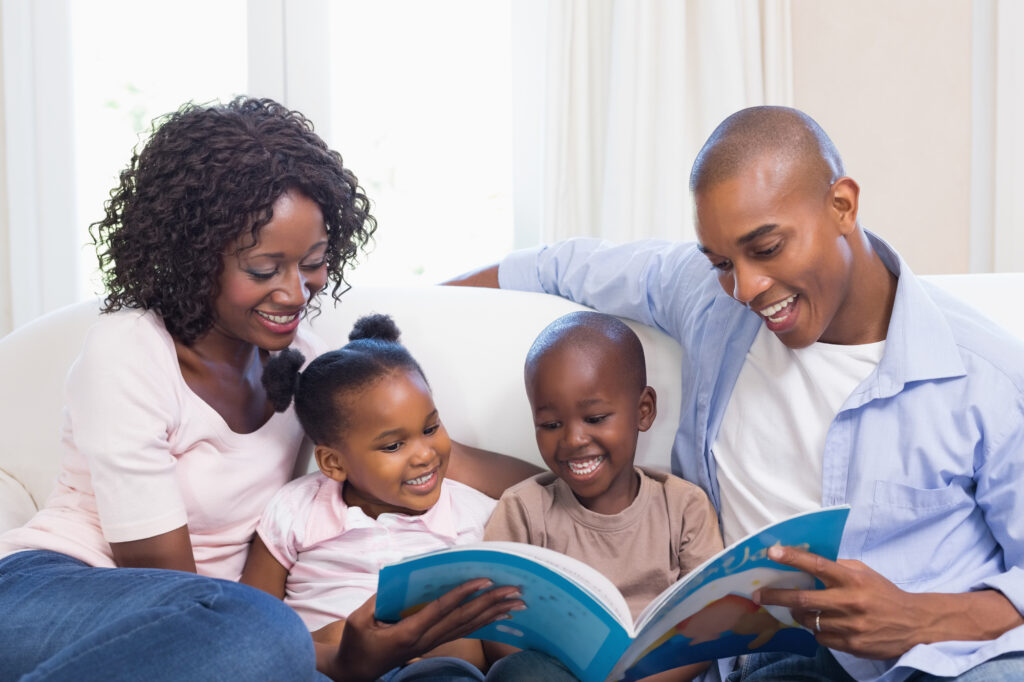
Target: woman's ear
<point>647,408</point>
<point>330,462</point>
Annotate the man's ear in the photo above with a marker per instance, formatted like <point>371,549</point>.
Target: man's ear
<point>845,193</point>
<point>647,408</point>
<point>331,463</point>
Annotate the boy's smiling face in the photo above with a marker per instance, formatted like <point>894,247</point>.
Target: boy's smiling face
<point>588,412</point>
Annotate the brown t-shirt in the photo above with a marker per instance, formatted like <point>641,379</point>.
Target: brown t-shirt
<point>668,530</point>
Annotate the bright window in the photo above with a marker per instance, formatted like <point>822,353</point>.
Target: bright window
<point>421,106</point>
<point>134,61</point>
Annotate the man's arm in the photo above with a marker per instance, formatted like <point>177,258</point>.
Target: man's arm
<point>863,613</point>
<point>486,276</point>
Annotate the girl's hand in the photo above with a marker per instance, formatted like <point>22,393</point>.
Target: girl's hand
<point>370,648</point>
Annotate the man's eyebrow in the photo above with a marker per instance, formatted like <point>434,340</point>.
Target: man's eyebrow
<point>754,234</point>
<point>703,249</point>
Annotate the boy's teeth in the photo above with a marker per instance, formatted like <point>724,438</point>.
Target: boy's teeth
<point>582,467</point>
<point>772,309</point>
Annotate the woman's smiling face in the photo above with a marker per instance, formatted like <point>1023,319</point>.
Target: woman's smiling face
<point>264,288</point>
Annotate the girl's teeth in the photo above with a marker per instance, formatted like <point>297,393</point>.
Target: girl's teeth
<point>421,480</point>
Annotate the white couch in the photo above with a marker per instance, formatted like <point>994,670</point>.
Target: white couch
<point>470,342</point>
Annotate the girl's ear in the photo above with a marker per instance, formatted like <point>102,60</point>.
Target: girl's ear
<point>330,462</point>
<point>647,408</point>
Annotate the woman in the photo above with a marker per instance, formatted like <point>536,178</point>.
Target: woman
<point>225,227</point>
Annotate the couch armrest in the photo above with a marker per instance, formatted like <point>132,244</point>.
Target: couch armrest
<point>16,505</point>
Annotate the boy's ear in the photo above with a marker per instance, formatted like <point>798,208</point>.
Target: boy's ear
<point>330,462</point>
<point>647,408</point>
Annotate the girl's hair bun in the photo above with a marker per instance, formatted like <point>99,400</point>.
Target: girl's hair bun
<point>374,327</point>
<point>281,377</point>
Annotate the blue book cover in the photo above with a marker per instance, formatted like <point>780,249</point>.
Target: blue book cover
<point>578,616</point>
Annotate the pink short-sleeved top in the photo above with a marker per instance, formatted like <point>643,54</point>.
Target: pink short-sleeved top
<point>334,552</point>
<point>144,455</point>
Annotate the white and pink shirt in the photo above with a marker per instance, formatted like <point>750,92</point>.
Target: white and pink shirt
<point>144,455</point>
<point>334,552</point>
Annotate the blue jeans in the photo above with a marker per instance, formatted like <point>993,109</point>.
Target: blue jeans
<point>440,669</point>
<point>823,667</point>
<point>61,619</point>
<point>529,665</point>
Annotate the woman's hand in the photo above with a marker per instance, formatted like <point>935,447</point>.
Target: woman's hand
<point>862,613</point>
<point>369,648</point>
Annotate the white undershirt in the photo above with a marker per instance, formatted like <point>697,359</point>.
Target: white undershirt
<point>770,444</point>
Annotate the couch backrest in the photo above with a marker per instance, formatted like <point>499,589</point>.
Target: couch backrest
<point>470,342</point>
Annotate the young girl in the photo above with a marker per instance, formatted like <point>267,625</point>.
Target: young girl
<point>380,495</point>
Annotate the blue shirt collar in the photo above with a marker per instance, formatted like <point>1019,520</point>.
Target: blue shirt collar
<point>919,344</point>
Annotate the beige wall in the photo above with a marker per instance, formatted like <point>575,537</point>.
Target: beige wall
<point>891,84</point>
<point>6,310</point>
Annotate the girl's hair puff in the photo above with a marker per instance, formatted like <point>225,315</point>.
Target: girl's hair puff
<point>320,390</point>
<point>208,175</point>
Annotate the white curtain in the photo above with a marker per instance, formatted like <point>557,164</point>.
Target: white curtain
<point>633,88</point>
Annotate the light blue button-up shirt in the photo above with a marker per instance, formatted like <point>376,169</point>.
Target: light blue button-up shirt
<point>928,450</point>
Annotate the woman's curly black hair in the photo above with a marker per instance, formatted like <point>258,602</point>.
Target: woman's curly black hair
<point>373,351</point>
<point>208,174</point>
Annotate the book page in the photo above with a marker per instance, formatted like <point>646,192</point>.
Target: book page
<point>562,617</point>
<point>709,614</point>
<point>589,579</point>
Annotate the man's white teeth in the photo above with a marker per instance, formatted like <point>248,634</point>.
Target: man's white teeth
<point>582,467</point>
<point>421,480</point>
<point>772,309</point>
<point>279,319</point>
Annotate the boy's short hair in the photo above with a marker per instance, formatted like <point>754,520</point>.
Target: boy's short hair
<point>587,329</point>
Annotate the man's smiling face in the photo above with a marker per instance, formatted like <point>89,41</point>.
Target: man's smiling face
<point>777,235</point>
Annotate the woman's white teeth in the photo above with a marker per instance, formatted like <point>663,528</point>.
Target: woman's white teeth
<point>421,480</point>
<point>582,467</point>
<point>772,309</point>
<point>279,319</point>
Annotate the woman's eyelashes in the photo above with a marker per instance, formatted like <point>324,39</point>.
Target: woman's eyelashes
<point>265,275</point>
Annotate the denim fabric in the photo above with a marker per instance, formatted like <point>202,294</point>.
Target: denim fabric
<point>64,620</point>
<point>529,665</point>
<point>824,668</point>
<point>440,669</point>
<point>783,667</point>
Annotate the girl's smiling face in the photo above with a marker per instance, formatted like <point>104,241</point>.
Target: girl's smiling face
<point>394,454</point>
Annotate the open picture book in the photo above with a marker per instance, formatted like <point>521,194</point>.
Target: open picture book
<point>578,616</point>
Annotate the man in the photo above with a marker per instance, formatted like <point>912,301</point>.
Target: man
<point>820,371</point>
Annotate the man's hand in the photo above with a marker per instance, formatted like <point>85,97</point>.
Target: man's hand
<point>864,614</point>
<point>369,648</point>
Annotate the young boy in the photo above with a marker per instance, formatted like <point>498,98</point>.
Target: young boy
<point>586,381</point>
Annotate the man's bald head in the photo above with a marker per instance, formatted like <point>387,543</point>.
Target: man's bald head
<point>594,332</point>
<point>788,135</point>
